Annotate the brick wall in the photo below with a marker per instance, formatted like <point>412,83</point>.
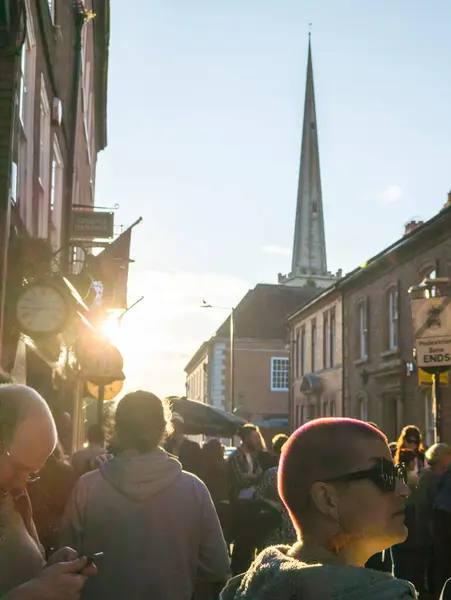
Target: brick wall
<point>379,384</point>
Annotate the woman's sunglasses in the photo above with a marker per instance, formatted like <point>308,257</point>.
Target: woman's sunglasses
<point>384,474</point>
<point>413,441</point>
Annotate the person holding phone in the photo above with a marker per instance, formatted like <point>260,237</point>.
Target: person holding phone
<point>27,438</point>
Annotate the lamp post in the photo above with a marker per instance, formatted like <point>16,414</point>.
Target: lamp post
<point>232,350</point>
<point>431,315</point>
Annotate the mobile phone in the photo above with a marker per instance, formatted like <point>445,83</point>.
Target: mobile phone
<point>90,560</point>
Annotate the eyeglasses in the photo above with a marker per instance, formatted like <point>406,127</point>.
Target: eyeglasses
<point>384,474</point>
<point>413,441</point>
<point>31,478</point>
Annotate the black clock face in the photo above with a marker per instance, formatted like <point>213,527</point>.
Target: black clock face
<point>41,309</point>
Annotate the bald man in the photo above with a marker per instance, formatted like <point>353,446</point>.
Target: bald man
<point>27,438</point>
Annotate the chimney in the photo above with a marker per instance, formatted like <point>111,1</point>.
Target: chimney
<point>411,226</point>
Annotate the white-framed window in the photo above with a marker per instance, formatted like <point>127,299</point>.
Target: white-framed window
<point>326,340</point>
<point>363,330</point>
<point>333,337</point>
<point>22,170</point>
<point>302,353</point>
<point>314,340</point>
<point>279,374</point>
<point>51,4</point>
<point>333,408</point>
<point>393,319</point>
<point>44,162</point>
<point>363,409</point>
<point>56,194</point>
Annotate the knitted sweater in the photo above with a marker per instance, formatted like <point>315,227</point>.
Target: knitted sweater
<point>277,575</point>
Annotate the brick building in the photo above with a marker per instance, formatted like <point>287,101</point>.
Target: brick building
<point>316,358</point>
<point>53,93</point>
<point>378,332</point>
<point>260,357</point>
<point>373,317</point>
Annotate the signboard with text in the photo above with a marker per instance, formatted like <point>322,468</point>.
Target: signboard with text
<point>90,224</point>
<point>432,329</point>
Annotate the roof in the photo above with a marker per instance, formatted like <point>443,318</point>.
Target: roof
<point>426,234</point>
<point>101,28</point>
<point>262,312</point>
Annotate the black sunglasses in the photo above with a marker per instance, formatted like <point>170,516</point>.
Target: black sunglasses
<point>384,474</point>
<point>412,440</point>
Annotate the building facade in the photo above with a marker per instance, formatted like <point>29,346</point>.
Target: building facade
<point>53,95</point>
<point>261,358</point>
<point>381,381</point>
<point>316,344</point>
<point>372,375</point>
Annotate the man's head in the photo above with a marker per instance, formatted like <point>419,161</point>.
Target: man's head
<point>96,435</point>
<point>27,435</point>
<point>439,457</point>
<point>250,437</point>
<point>335,477</point>
<point>278,443</point>
<point>141,422</point>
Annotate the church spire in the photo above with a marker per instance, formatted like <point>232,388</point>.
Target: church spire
<point>309,263</point>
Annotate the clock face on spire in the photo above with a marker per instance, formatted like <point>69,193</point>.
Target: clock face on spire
<point>42,310</point>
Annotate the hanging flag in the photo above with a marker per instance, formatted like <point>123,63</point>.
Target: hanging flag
<point>111,267</point>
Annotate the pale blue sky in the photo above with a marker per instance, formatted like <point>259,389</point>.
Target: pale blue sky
<point>204,125</point>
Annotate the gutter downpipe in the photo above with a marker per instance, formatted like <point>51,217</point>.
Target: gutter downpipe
<point>80,20</point>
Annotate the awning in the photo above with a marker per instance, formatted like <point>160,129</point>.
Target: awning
<point>311,384</point>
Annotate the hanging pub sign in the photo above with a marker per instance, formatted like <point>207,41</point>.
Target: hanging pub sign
<point>90,224</point>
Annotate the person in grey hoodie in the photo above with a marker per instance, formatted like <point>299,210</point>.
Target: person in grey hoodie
<point>155,524</point>
<point>346,499</point>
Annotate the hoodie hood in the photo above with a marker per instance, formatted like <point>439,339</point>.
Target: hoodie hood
<point>277,575</point>
<point>141,476</point>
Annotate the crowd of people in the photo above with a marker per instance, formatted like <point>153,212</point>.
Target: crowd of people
<point>332,512</point>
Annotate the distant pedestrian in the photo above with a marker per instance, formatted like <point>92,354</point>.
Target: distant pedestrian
<point>245,473</point>
<point>411,439</point>
<point>49,495</point>
<point>278,442</point>
<point>187,451</point>
<point>215,475</point>
<point>86,459</point>
<point>156,524</point>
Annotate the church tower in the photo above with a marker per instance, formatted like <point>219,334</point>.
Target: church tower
<point>309,263</point>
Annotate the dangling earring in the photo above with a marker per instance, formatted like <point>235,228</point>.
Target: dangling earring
<point>339,541</point>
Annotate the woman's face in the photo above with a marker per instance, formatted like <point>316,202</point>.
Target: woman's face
<point>411,441</point>
<point>373,517</point>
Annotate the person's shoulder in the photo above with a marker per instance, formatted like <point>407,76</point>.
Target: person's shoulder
<point>191,482</point>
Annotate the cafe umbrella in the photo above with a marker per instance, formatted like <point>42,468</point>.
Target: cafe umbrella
<point>203,419</point>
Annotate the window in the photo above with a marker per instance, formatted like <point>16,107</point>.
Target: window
<point>51,4</point>
<point>279,374</point>
<point>23,82</point>
<point>326,341</point>
<point>313,348</point>
<point>393,319</point>
<point>314,208</point>
<point>296,354</point>
<point>56,195</point>
<point>333,408</point>
<point>333,338</point>
<point>302,415</point>
<point>302,353</point>
<point>363,409</point>
<point>363,331</point>
<point>296,420</point>
<point>325,409</point>
<point>44,163</point>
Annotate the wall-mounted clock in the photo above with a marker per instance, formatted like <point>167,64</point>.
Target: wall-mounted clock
<point>42,309</point>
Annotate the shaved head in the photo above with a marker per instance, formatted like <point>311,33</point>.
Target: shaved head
<point>320,450</point>
<point>27,433</point>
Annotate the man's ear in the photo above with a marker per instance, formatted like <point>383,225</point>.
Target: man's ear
<point>325,498</point>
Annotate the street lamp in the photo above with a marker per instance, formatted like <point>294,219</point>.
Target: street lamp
<point>232,350</point>
<point>431,315</point>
